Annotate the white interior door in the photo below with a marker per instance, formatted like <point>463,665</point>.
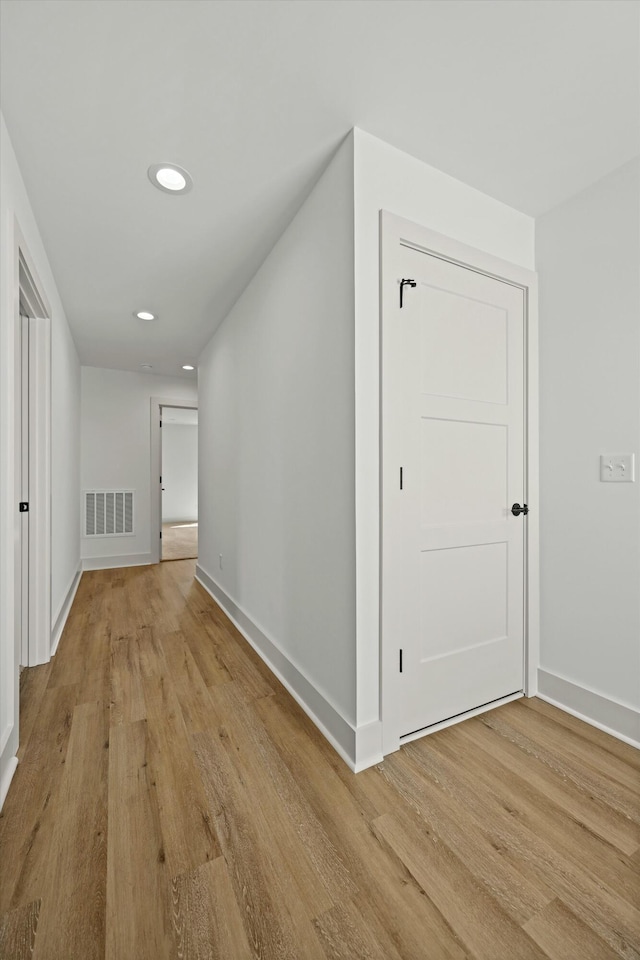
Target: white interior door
<point>22,489</point>
<point>453,466</point>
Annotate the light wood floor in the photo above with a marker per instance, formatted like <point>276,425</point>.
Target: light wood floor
<point>180,540</point>
<point>172,801</point>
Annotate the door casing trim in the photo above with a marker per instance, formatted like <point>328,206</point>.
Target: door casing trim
<point>395,231</point>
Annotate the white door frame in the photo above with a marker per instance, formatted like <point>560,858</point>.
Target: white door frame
<point>398,231</point>
<point>157,403</point>
<point>29,290</point>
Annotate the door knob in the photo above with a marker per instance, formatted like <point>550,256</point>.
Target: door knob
<point>516,509</point>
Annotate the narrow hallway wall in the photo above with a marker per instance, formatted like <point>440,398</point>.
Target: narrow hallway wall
<point>276,418</point>
<point>15,208</point>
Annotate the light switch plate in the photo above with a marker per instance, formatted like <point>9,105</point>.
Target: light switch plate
<point>618,467</point>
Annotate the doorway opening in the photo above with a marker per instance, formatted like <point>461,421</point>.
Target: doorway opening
<point>179,483</point>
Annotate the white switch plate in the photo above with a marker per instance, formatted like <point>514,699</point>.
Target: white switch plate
<point>618,467</point>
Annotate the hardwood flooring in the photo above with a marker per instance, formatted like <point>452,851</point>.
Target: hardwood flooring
<point>180,541</point>
<point>173,801</point>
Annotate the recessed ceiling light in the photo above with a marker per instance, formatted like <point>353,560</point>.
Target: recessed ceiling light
<point>170,178</point>
<point>187,366</point>
<point>145,315</point>
<point>146,366</point>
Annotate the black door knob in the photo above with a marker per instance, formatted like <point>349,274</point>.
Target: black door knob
<point>516,509</point>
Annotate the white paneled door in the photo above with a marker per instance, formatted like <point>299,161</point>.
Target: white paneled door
<point>453,359</point>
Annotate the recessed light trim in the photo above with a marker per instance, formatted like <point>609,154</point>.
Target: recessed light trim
<point>187,366</point>
<point>145,315</point>
<point>146,366</point>
<point>170,178</point>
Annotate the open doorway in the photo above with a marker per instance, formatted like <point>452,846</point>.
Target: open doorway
<point>179,487</point>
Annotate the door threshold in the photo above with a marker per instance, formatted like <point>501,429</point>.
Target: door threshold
<point>458,717</point>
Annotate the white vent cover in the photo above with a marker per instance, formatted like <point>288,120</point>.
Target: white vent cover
<point>108,513</point>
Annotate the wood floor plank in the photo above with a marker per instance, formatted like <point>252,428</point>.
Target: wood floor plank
<point>387,890</point>
<point>568,743</point>
<point>345,933</point>
<point>189,838</point>
<point>127,691</point>
<point>530,815</point>
<point>79,837</point>
<point>549,748</point>
<point>235,654</point>
<point>203,649</point>
<point>624,752</point>
<point>276,919</point>
<point>486,930</point>
<point>612,826</point>
<point>518,896</point>
<point>124,602</point>
<point>188,682</point>
<point>33,683</point>
<point>206,919</point>
<point>29,813</point>
<point>18,930</point>
<point>233,829</point>
<point>318,870</point>
<point>512,824</point>
<point>138,914</point>
<point>563,936</point>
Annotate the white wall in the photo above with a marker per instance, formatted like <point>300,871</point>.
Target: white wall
<point>277,449</point>
<point>588,257</point>
<point>388,179</point>
<point>281,382</point>
<point>179,471</point>
<point>116,450</point>
<point>65,467</point>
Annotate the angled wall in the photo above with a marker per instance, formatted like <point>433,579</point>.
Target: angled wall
<point>276,452</point>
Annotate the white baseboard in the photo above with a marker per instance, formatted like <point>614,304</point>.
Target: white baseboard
<point>63,612</point>
<point>6,778</point>
<point>368,745</point>
<point>109,563</point>
<point>615,718</point>
<point>359,748</point>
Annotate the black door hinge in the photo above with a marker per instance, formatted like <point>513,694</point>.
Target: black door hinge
<point>401,660</point>
<point>24,507</point>
<point>403,284</point>
<point>401,478</point>
<point>161,534</point>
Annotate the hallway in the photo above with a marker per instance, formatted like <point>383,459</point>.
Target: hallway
<point>173,801</point>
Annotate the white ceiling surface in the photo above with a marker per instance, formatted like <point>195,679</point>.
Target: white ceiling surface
<point>180,416</point>
<point>527,100</point>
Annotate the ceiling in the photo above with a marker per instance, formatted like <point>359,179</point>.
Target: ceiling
<point>527,100</point>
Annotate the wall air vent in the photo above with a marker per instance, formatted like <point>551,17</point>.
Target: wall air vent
<point>108,513</point>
